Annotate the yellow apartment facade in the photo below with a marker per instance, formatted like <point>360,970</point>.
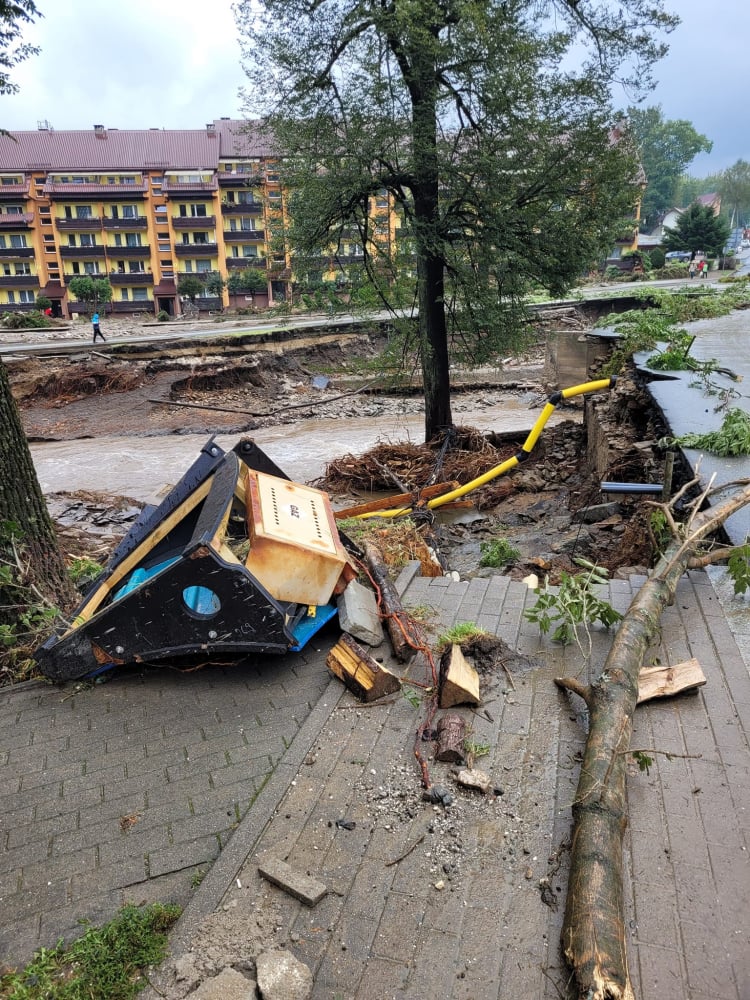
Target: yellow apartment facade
<point>141,208</point>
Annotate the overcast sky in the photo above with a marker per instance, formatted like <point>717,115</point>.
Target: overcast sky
<point>176,64</point>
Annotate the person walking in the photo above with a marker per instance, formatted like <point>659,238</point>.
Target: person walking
<point>692,267</point>
<point>96,328</point>
<point>701,265</point>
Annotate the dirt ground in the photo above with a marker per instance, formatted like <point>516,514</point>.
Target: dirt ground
<point>550,508</point>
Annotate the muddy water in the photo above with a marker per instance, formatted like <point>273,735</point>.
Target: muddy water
<point>141,467</point>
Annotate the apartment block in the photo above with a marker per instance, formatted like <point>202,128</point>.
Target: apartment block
<point>142,208</point>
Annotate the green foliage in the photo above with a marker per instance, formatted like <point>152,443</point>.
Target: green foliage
<point>476,749</point>
<point>732,438</point>
<point>189,286</point>
<point>573,603</point>
<point>676,356</point>
<point>14,16</point>
<point>497,552</point>
<point>459,633</point>
<point>698,229</point>
<point>658,258</point>
<point>738,566</point>
<point>83,571</point>
<point>643,760</point>
<point>660,531</point>
<point>33,619</point>
<point>162,316</point>
<point>24,321</point>
<point>250,280</point>
<point>106,963</point>
<point>214,283</point>
<point>88,289</point>
<point>43,302</point>
<point>445,117</point>
<point>666,148</point>
<point>734,188</point>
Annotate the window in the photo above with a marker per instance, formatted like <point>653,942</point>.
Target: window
<point>245,197</point>
<point>91,267</point>
<point>198,211</point>
<point>163,236</point>
<point>17,242</point>
<point>132,239</point>
<point>23,268</point>
<point>140,294</point>
<point>84,212</point>
<point>88,240</point>
<point>14,210</point>
<point>2,242</point>
<point>203,265</point>
<point>167,272</point>
<point>7,270</point>
<point>26,296</point>
<point>11,298</point>
<point>164,248</point>
<point>250,251</point>
<point>201,238</point>
<point>161,212</point>
<point>125,295</point>
<point>137,267</point>
<point>130,211</point>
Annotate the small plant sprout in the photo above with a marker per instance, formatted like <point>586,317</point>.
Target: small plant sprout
<point>498,552</point>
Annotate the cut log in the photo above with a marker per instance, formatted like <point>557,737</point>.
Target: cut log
<point>363,675</point>
<point>662,682</point>
<point>450,739</point>
<point>459,681</point>
<point>403,637</point>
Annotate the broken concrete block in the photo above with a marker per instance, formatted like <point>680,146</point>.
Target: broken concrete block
<point>301,886</point>
<point>281,976</point>
<point>228,985</point>
<point>358,614</point>
<point>472,777</point>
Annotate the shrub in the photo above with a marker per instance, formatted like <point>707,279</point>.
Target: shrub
<point>162,316</point>
<point>658,258</point>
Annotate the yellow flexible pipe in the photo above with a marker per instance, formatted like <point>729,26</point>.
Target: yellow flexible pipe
<point>508,463</point>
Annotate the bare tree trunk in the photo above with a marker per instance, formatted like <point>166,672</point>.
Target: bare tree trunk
<point>593,935</point>
<point>38,566</point>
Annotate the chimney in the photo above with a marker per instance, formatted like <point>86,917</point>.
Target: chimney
<point>100,132</point>
<point>211,129</point>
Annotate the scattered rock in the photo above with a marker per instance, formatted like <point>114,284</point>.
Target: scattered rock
<point>281,976</point>
<point>228,985</point>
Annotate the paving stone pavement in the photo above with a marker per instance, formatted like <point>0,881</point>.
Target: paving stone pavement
<point>423,901</point>
<point>127,790</point>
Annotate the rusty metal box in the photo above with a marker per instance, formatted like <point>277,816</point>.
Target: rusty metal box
<point>295,550</point>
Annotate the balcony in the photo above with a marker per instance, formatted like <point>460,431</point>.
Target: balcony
<point>16,220</point>
<point>79,192</point>
<point>241,208</point>
<point>92,222</point>
<point>244,235</point>
<point>231,180</point>
<point>196,249</point>
<point>136,306</point>
<point>19,281</point>
<point>16,253</point>
<point>189,187</point>
<point>111,224</point>
<point>193,221</point>
<point>129,253</point>
<point>14,191</point>
<point>82,252</point>
<point>130,278</point>
<point>240,263</point>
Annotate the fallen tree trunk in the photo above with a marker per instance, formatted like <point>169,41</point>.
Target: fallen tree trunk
<point>593,935</point>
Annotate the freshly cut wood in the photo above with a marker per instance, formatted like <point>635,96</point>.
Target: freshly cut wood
<point>401,632</point>
<point>459,681</point>
<point>400,500</point>
<point>362,674</point>
<point>662,682</point>
<point>451,730</point>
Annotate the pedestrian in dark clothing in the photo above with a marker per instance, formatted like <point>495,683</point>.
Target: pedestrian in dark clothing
<point>95,325</point>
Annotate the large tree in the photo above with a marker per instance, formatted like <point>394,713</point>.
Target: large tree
<point>734,188</point>
<point>666,148</point>
<point>31,566</point>
<point>698,230</point>
<point>485,125</point>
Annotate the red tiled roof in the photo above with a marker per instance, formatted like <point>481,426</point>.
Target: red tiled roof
<point>98,150</point>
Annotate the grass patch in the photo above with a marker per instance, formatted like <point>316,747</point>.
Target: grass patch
<point>106,963</point>
<point>459,633</point>
<point>498,552</point>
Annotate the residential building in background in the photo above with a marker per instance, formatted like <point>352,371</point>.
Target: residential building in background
<point>141,208</point>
